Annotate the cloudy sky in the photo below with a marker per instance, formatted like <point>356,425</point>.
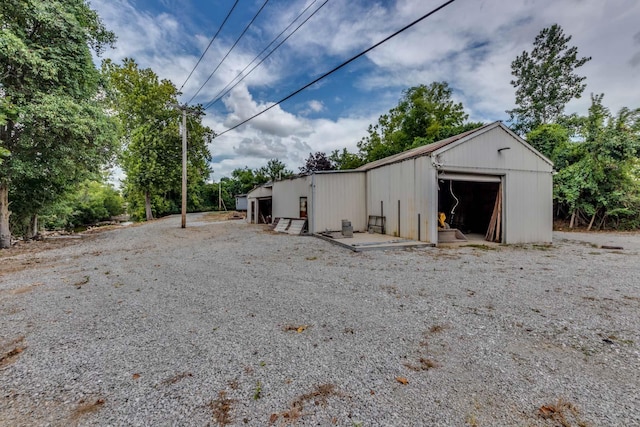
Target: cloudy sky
<point>470,44</point>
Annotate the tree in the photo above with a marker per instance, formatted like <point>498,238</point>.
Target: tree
<point>597,181</point>
<point>51,120</point>
<point>424,114</point>
<point>273,171</point>
<point>344,160</point>
<point>545,80</point>
<point>151,155</point>
<point>317,162</point>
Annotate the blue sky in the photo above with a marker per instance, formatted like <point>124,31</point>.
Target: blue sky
<point>470,44</point>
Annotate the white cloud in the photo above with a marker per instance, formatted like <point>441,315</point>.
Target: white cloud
<point>468,44</point>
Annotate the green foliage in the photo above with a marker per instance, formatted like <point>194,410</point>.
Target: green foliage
<point>344,160</point>
<point>54,127</point>
<point>597,179</point>
<point>425,114</point>
<point>545,80</point>
<point>317,162</point>
<point>152,154</point>
<point>274,170</point>
<point>92,202</point>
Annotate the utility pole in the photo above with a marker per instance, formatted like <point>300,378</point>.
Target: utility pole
<point>184,167</point>
<point>193,111</point>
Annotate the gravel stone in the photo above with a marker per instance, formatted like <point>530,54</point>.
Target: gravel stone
<point>158,325</point>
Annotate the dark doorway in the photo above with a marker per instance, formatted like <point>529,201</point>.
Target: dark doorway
<point>467,205</point>
<point>264,211</point>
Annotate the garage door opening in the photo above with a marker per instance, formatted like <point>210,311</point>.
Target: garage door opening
<point>472,207</point>
<point>264,211</point>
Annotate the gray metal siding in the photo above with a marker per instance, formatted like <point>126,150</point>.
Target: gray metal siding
<point>338,196</point>
<point>286,196</point>
<point>481,152</point>
<point>528,207</point>
<point>408,183</point>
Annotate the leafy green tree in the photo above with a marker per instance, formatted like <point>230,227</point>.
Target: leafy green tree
<point>344,160</point>
<point>152,149</point>
<point>242,181</point>
<point>545,80</point>
<point>317,162</point>
<point>598,180</point>
<point>91,202</point>
<point>51,120</point>
<point>425,114</point>
<point>275,169</point>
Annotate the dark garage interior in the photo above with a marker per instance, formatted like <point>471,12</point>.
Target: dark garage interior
<point>468,205</point>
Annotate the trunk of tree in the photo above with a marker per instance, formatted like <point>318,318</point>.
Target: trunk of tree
<point>573,219</point>
<point>5,233</point>
<point>33,227</point>
<point>593,218</point>
<point>147,206</point>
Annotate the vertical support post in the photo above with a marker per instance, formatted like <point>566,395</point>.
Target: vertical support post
<point>184,167</point>
<point>398,218</point>
<point>382,215</point>
<point>418,227</point>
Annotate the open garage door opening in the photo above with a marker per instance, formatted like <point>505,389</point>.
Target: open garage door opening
<point>264,211</point>
<point>473,207</point>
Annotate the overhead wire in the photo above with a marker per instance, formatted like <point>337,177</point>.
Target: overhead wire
<point>209,45</point>
<point>227,54</point>
<point>228,89</point>
<point>364,52</point>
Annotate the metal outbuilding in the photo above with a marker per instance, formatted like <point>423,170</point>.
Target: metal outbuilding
<point>484,179</point>
<point>259,204</point>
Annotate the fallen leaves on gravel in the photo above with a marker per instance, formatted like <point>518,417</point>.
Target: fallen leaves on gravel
<point>563,413</point>
<point>318,395</point>
<point>402,380</point>
<point>221,408</point>
<point>177,378</point>
<point>86,408</point>
<point>298,328</point>
<point>10,356</point>
<point>135,376</point>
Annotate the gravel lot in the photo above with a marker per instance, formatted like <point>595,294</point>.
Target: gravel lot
<point>224,323</point>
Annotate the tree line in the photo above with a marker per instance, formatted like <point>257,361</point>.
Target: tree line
<point>64,122</point>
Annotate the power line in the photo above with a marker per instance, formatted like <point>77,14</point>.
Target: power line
<point>224,91</point>
<point>209,45</point>
<point>227,54</point>
<point>364,52</point>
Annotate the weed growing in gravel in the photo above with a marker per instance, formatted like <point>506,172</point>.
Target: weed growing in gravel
<point>221,408</point>
<point>257,393</point>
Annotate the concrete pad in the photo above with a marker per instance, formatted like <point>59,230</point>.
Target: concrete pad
<point>371,241</point>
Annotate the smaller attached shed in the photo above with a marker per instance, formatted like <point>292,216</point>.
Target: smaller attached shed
<point>241,202</point>
<point>325,198</point>
<point>259,204</point>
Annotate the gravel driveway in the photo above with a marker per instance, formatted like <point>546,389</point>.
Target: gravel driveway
<point>225,323</point>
